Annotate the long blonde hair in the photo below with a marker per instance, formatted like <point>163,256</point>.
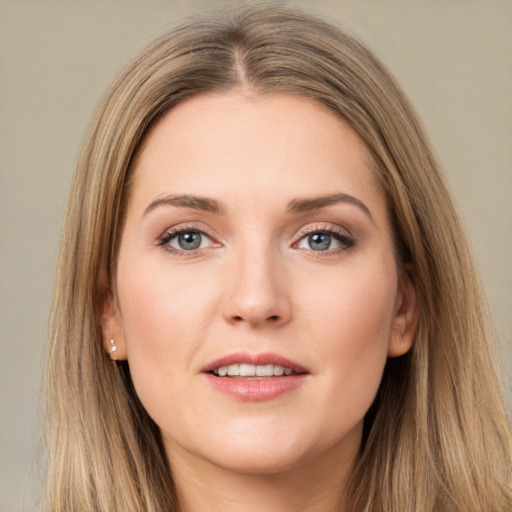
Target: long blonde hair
<point>437,437</point>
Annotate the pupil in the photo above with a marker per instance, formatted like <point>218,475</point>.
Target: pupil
<point>319,241</point>
<point>189,240</point>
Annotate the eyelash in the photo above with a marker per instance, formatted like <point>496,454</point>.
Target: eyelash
<point>345,239</point>
<point>342,236</point>
<point>164,240</point>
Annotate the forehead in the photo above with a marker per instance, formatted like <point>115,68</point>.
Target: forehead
<point>222,143</point>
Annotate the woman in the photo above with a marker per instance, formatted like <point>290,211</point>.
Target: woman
<point>260,237</point>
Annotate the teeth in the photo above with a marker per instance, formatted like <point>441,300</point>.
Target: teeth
<point>247,370</point>
<point>251,370</point>
<point>233,369</point>
<point>278,370</point>
<point>265,371</point>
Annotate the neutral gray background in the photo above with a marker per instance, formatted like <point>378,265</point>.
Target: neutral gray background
<point>453,57</point>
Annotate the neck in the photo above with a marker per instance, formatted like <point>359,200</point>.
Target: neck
<point>311,486</point>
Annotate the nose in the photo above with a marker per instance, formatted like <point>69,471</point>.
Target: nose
<point>257,293</point>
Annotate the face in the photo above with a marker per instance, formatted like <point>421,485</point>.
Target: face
<point>257,294</point>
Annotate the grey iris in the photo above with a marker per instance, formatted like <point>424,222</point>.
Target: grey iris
<point>189,240</point>
<point>319,241</point>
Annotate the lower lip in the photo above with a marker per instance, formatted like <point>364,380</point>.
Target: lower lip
<point>255,390</point>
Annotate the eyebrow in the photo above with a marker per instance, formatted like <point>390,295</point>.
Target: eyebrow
<point>316,203</point>
<point>187,201</point>
<point>300,205</point>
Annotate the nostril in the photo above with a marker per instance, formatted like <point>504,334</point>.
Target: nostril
<point>272,319</point>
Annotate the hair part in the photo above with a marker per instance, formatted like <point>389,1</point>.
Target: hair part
<point>437,436</point>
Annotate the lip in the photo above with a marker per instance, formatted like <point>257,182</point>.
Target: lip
<point>256,359</point>
<point>255,389</point>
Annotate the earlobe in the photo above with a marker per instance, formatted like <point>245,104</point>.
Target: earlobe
<point>112,328</point>
<point>405,323</point>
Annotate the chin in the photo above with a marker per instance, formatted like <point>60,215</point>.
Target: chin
<point>266,446</point>
<point>259,461</point>
<point>263,453</point>
<point>270,452</point>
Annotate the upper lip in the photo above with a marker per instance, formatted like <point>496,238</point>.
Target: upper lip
<point>255,359</point>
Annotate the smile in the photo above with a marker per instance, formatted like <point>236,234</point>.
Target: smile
<point>249,377</point>
<point>251,370</point>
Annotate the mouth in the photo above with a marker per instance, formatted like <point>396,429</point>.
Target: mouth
<point>254,377</point>
<point>244,370</point>
<point>242,364</point>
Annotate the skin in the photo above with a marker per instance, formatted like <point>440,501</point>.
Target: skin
<point>258,284</point>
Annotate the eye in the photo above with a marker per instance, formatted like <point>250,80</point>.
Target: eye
<point>185,240</point>
<point>326,240</point>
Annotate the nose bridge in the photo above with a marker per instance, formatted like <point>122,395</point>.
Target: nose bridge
<point>257,294</point>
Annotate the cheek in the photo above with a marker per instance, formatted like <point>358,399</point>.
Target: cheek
<point>356,301</point>
<point>165,316</point>
<point>352,315</point>
<point>160,306</point>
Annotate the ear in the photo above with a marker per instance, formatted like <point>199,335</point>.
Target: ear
<point>407,313</point>
<point>112,327</point>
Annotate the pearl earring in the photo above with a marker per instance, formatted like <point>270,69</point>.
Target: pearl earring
<point>113,348</point>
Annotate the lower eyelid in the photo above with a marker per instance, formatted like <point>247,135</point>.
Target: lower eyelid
<point>344,239</point>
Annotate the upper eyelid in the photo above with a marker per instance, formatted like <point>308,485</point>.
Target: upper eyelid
<point>164,241</point>
<point>343,236</point>
<point>174,231</point>
<point>184,228</point>
<point>324,227</point>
